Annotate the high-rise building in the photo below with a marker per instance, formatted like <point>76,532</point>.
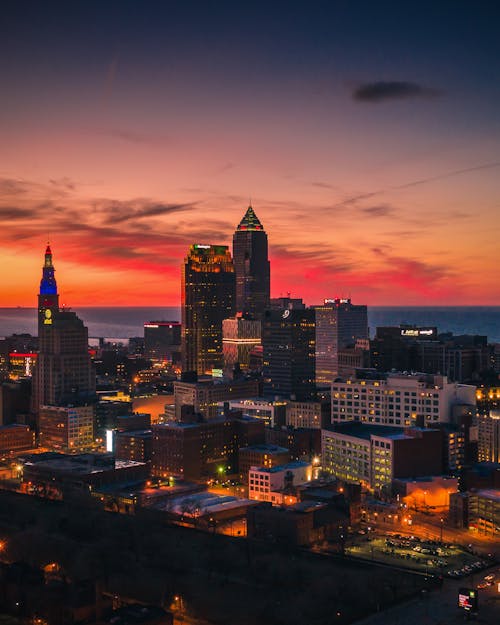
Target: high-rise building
<point>239,338</point>
<point>162,339</point>
<point>207,296</point>
<point>63,373</point>
<point>251,265</point>
<point>338,324</point>
<point>288,341</point>
<point>488,426</point>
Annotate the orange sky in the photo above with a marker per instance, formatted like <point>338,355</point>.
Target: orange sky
<point>372,160</point>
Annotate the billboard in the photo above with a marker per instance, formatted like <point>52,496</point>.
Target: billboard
<point>418,333</point>
<point>467,599</point>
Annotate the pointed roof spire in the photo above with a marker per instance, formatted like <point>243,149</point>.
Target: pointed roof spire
<point>250,221</point>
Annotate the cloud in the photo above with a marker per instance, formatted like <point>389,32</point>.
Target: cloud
<point>392,90</point>
<point>449,174</point>
<point>121,212</point>
<point>380,210</point>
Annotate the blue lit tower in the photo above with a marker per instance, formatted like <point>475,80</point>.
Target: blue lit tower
<point>48,298</point>
<point>63,374</point>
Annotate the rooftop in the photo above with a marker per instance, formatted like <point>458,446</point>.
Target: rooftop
<point>298,464</point>
<point>270,449</point>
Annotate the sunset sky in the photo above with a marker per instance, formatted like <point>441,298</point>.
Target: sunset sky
<point>367,135</point>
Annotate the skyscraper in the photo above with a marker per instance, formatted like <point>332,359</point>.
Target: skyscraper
<point>288,341</point>
<point>338,324</point>
<point>207,297</point>
<point>63,373</point>
<point>251,265</point>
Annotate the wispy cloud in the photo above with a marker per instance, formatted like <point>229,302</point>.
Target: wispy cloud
<point>392,90</point>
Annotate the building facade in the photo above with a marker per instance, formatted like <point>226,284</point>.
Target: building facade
<point>338,324</point>
<point>66,428</point>
<point>251,265</point>
<point>206,395</point>
<point>240,336</point>
<point>207,298</point>
<point>275,483</point>
<point>162,340</point>
<point>488,430</point>
<point>308,414</point>
<point>398,399</point>
<point>288,341</point>
<point>200,451</point>
<point>373,455</point>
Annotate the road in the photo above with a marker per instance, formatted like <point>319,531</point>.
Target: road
<point>440,606</point>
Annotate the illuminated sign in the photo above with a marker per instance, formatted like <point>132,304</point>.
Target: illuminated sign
<point>467,599</point>
<point>286,313</point>
<point>151,325</point>
<point>416,332</point>
<point>202,247</point>
<point>109,440</point>
<point>48,317</point>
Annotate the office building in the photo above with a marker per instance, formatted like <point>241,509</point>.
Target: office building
<point>338,324</point>
<point>240,336</point>
<point>263,455</point>
<point>202,450</point>
<point>15,438</point>
<point>162,340</point>
<point>303,443</point>
<point>63,374</point>
<point>288,341</point>
<point>134,445</point>
<point>66,428</point>
<point>375,455</point>
<point>207,298</point>
<point>308,414</point>
<point>251,265</point>
<point>398,399</point>
<point>488,430</point>
<point>204,396</point>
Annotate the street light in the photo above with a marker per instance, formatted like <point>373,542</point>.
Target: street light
<point>441,531</point>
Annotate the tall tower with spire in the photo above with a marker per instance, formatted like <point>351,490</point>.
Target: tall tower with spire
<point>48,298</point>
<point>63,374</point>
<point>251,264</point>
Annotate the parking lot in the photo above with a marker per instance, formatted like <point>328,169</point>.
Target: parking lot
<point>412,552</point>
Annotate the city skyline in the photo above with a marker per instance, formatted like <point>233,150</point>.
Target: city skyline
<point>366,140</point>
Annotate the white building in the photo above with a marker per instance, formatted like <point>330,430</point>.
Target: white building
<point>271,484</point>
<point>399,399</point>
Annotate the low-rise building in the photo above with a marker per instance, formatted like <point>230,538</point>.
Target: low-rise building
<point>271,411</point>
<point>61,476</point>
<point>205,394</point>
<point>15,438</point>
<point>277,484</point>
<point>66,428</point>
<point>134,445</point>
<point>262,455</point>
<point>201,450</point>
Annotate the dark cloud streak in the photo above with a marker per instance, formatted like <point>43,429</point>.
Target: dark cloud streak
<point>392,90</point>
